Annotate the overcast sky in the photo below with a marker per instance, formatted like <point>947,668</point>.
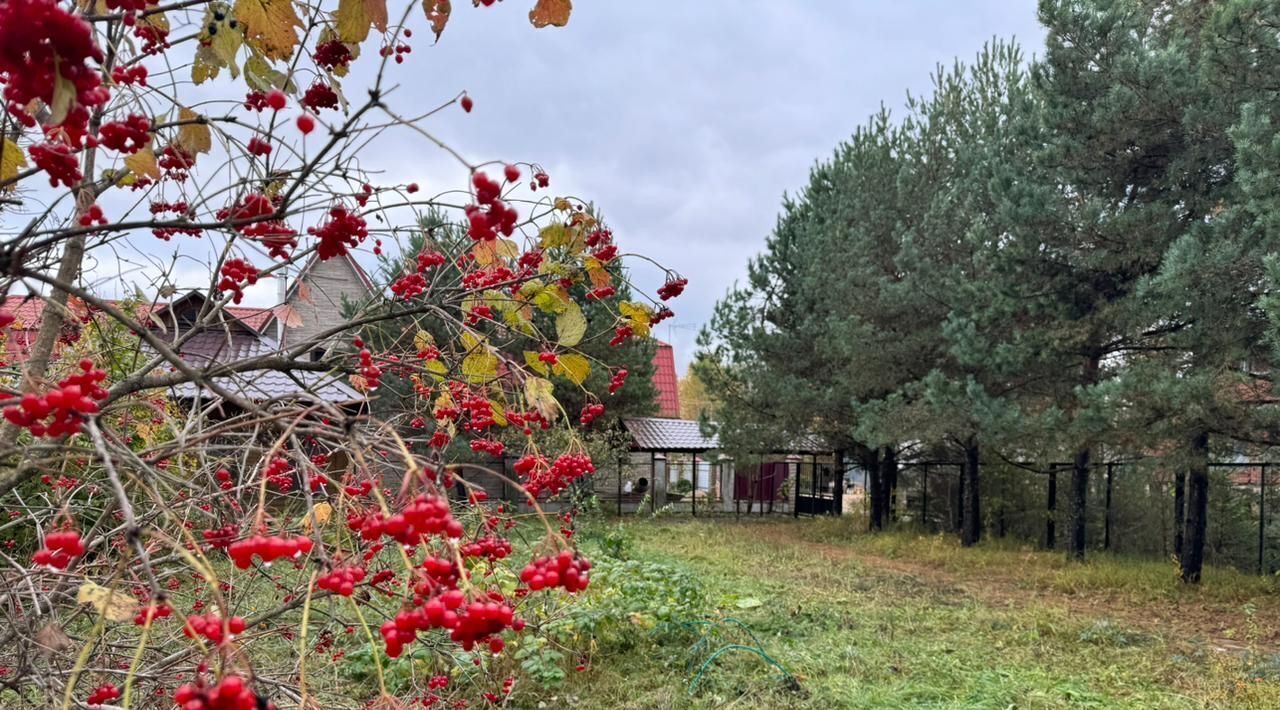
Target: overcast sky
<point>687,121</point>
<point>684,122</point>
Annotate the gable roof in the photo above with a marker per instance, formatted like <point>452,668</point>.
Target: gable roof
<point>361,274</point>
<point>666,434</point>
<point>665,381</point>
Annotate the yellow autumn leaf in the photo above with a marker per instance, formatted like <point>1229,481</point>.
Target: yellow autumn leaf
<point>539,394</point>
<point>353,21</point>
<point>112,604</point>
<point>421,340</point>
<point>638,316</point>
<point>204,65</point>
<point>531,359</point>
<point>143,164</point>
<point>498,412</point>
<point>480,366</point>
<point>269,26</point>
<point>193,137</point>
<point>553,235</point>
<point>573,366</point>
<point>319,515</point>
<point>437,369</point>
<point>11,161</point>
<point>571,325</point>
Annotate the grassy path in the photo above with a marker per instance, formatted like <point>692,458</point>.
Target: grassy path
<point>903,621</point>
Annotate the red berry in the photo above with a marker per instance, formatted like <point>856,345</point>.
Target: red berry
<point>277,100</point>
<point>467,103</point>
<point>306,124</point>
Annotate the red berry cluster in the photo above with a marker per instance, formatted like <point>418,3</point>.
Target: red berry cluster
<point>58,160</point>
<point>540,179</point>
<point>235,274</point>
<point>269,549</point>
<point>343,230</point>
<point>213,627</point>
<point>470,623</point>
<point>151,612</point>
<point>224,479</point>
<point>279,474</point>
<point>331,55</point>
<point>490,547</point>
<point>59,549</point>
<point>175,161</point>
<point>548,357</point>
<point>369,370</point>
<point>103,694</point>
<point>230,693</point>
<point>660,315</point>
<point>425,516</point>
<point>590,412</point>
<point>341,580</point>
<point>92,216</point>
<point>222,537</point>
<point>429,259</point>
<point>672,288</point>
<point>619,379</point>
<point>135,75</point>
<point>61,411</point>
<point>398,51</point>
<point>566,469</point>
<point>599,294</point>
<point>620,335</point>
<point>485,224</point>
<point>46,46</point>
<point>257,146</point>
<point>320,95</point>
<point>409,286</point>
<point>128,136</point>
<point>563,570</point>
<point>493,447</point>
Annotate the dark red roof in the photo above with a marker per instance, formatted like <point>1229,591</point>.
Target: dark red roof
<point>27,311</point>
<point>665,381</point>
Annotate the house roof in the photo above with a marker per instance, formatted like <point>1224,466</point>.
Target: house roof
<point>292,289</point>
<point>217,344</point>
<point>664,434</point>
<point>665,381</point>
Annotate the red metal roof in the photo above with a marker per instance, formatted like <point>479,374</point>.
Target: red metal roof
<point>665,381</point>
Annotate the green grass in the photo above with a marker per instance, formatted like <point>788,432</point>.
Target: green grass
<point>901,620</point>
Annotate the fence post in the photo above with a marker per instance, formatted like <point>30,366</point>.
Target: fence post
<point>1262,520</point>
<point>619,486</point>
<point>924,499</point>
<point>1106,519</point>
<point>1050,534</point>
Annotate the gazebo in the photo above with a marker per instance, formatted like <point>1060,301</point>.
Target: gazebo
<point>672,464</point>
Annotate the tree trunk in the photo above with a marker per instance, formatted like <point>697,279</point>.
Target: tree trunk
<point>1192,558</point>
<point>1179,510</point>
<point>971,507</point>
<point>1079,502</point>
<point>874,485</point>
<point>1080,474</point>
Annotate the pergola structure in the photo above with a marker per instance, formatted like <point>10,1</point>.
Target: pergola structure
<point>673,464</point>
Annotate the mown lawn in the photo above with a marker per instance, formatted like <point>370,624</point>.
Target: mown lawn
<point>903,620</point>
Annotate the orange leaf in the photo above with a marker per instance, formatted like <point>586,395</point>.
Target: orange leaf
<point>551,12</point>
<point>289,315</point>
<point>438,13</point>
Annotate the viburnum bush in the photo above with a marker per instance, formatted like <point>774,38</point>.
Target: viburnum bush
<point>175,535</point>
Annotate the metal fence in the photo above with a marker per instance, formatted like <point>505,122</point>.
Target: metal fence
<point>1129,507</point>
